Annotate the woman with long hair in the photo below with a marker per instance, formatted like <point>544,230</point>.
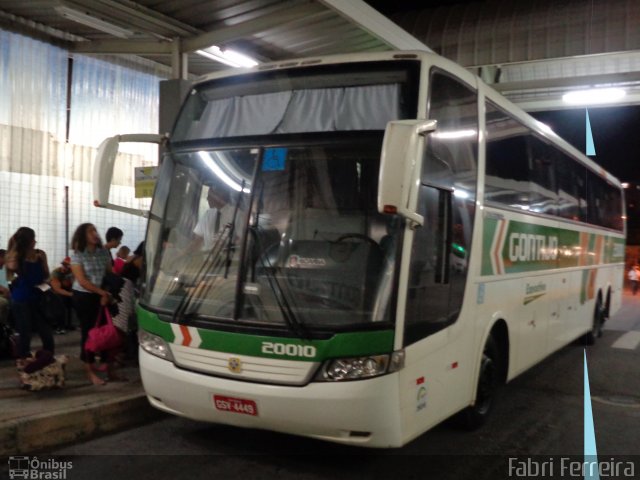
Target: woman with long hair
<point>27,268</point>
<point>89,264</point>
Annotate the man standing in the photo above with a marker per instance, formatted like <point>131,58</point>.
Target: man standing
<point>211,223</point>
<point>114,237</point>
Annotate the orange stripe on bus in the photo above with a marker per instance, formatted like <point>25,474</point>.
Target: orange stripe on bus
<point>186,336</point>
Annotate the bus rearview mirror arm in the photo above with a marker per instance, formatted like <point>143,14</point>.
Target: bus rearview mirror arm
<point>402,151</point>
<point>104,165</point>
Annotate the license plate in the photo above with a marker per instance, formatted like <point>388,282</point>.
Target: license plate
<point>235,405</point>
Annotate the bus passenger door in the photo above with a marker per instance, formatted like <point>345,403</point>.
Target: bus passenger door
<point>438,366</point>
<point>429,286</point>
<point>429,311</point>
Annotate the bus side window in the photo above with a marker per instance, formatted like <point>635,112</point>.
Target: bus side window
<point>605,203</point>
<point>542,180</point>
<point>571,189</point>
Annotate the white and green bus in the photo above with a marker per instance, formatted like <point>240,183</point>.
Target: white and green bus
<point>355,248</point>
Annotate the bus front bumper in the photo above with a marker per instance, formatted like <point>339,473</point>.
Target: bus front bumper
<point>363,412</point>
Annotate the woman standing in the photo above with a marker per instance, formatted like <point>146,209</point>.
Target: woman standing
<point>28,268</point>
<point>89,263</point>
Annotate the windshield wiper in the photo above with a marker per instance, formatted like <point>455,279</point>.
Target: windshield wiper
<point>290,319</point>
<point>286,311</point>
<point>232,230</point>
<point>211,265</point>
<point>212,260</point>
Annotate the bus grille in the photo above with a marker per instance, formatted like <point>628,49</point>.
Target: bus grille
<point>244,367</point>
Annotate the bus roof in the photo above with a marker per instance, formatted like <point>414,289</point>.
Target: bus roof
<point>427,57</point>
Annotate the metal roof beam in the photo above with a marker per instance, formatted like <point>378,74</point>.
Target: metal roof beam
<point>24,26</point>
<point>579,81</point>
<point>376,24</point>
<point>244,29</point>
<point>136,16</point>
<point>554,102</point>
<point>127,47</point>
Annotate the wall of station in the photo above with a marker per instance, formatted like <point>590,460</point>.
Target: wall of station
<point>54,112</point>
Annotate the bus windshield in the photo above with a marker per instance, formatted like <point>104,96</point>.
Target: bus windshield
<point>286,236</point>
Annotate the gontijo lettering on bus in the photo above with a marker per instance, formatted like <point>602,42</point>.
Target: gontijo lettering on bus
<point>515,247</point>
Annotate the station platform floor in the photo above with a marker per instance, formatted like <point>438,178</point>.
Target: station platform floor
<point>39,421</point>
<point>36,421</point>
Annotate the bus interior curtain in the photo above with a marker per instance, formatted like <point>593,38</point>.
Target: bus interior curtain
<point>320,110</point>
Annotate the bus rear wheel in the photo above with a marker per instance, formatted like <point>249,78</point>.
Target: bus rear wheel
<point>475,416</point>
<point>596,328</point>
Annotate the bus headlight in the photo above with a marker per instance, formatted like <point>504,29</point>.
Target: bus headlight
<point>357,368</point>
<point>154,345</point>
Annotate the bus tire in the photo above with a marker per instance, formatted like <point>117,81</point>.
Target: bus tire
<point>476,415</point>
<point>596,327</point>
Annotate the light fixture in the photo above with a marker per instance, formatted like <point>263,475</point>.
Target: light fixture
<point>221,174</point>
<point>455,134</point>
<point>228,57</point>
<point>84,18</point>
<point>593,96</point>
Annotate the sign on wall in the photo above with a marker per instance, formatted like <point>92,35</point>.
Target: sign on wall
<point>145,181</point>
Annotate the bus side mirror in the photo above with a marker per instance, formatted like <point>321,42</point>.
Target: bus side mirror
<point>402,151</point>
<point>104,165</point>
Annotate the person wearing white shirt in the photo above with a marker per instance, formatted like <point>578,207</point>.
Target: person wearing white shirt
<point>634,276</point>
<point>211,223</point>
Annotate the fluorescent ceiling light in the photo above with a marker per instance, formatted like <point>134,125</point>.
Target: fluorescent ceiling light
<point>594,96</point>
<point>221,174</point>
<point>228,57</point>
<point>83,18</point>
<point>454,134</point>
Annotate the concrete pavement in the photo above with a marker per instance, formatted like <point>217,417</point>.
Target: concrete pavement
<point>36,421</point>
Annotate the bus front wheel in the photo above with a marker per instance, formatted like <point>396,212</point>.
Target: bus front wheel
<point>476,415</point>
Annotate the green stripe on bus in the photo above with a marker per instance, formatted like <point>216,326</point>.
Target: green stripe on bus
<point>526,247</point>
<point>150,322</point>
<point>489,232</point>
<point>350,344</point>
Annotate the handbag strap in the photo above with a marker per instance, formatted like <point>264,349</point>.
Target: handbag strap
<point>100,313</point>
<point>107,315</point>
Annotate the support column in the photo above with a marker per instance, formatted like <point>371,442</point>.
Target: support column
<point>173,92</point>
